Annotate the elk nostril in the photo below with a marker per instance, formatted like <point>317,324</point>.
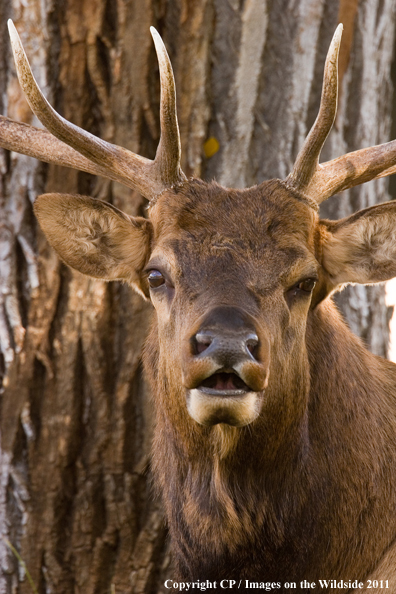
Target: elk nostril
<point>252,343</point>
<point>201,342</point>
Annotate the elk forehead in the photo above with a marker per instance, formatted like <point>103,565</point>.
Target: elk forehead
<point>252,237</point>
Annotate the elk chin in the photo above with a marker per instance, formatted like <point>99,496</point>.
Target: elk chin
<point>238,409</point>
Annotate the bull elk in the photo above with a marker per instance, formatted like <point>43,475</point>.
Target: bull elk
<point>275,439</point>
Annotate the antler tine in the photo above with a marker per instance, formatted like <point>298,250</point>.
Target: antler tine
<point>148,177</point>
<point>308,158</point>
<point>169,149</point>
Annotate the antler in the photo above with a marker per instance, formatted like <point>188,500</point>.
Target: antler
<point>41,144</point>
<point>88,152</point>
<point>319,182</point>
<point>308,158</point>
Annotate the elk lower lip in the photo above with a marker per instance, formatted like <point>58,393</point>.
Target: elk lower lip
<point>224,384</point>
<point>223,393</point>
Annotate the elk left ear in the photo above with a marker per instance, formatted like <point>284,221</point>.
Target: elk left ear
<point>362,247</point>
<point>94,237</point>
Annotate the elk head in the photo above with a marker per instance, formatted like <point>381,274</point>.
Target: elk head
<point>232,274</point>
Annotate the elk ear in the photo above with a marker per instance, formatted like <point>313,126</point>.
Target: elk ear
<point>94,237</point>
<point>362,247</point>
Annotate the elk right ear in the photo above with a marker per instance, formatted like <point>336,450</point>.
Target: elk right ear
<point>94,237</point>
<point>362,247</point>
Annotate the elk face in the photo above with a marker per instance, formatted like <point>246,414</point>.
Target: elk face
<point>230,276</point>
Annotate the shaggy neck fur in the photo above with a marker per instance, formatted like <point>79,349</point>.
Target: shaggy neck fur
<point>234,502</point>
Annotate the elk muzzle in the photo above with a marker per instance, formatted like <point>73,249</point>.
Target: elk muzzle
<point>225,368</point>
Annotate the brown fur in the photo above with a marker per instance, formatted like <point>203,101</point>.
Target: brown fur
<point>307,489</point>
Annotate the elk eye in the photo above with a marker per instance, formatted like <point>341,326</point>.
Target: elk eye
<point>302,289</point>
<point>307,285</point>
<point>155,279</point>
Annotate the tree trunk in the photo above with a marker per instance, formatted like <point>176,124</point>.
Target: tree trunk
<point>76,423</point>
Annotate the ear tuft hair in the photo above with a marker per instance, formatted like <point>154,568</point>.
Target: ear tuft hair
<point>362,247</point>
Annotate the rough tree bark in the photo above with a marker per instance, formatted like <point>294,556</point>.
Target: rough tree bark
<point>76,423</point>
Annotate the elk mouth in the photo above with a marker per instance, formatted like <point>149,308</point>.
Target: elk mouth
<point>223,397</point>
<point>224,384</point>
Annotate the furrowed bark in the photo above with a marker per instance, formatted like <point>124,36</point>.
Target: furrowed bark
<point>76,423</point>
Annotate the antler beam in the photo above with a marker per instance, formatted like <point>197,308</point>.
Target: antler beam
<point>42,145</point>
<point>353,169</point>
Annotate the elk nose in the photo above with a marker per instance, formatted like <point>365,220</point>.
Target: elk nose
<point>227,348</point>
<point>226,336</point>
